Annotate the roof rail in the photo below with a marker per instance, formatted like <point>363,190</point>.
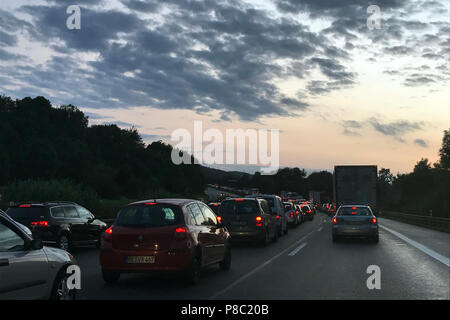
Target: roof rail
<point>58,202</point>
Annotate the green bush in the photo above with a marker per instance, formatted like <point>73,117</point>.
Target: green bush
<point>52,190</point>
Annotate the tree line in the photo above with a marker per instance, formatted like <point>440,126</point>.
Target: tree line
<point>40,142</point>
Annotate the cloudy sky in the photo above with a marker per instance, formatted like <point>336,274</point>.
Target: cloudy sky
<point>340,92</point>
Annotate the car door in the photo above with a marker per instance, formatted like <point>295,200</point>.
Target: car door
<point>218,241</point>
<point>269,216</point>
<point>91,229</point>
<point>204,237</point>
<point>78,227</point>
<point>23,273</point>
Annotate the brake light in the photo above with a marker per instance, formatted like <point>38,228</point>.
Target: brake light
<point>296,212</point>
<point>239,200</point>
<point>107,234</point>
<point>309,211</point>
<point>150,203</point>
<point>108,231</point>
<point>181,232</point>
<point>39,223</point>
<point>334,220</point>
<point>258,221</point>
<point>219,219</point>
<point>292,214</point>
<point>374,220</point>
<point>354,208</point>
<point>354,212</point>
<point>25,206</point>
<point>278,217</point>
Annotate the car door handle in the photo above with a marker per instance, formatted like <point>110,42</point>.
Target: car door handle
<point>4,262</point>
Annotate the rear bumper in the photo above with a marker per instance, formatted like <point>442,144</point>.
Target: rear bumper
<point>355,231</point>
<point>165,260</point>
<point>247,235</point>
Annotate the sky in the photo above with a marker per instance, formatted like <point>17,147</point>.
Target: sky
<point>338,91</point>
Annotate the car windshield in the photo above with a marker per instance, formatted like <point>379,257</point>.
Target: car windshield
<point>354,211</point>
<point>238,207</point>
<point>158,215</point>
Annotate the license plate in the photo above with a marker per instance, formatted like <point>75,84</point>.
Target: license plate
<point>140,259</point>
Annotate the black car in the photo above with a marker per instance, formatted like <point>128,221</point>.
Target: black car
<point>214,207</point>
<point>249,219</point>
<point>64,224</point>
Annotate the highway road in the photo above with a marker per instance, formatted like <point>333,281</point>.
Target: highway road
<point>305,264</point>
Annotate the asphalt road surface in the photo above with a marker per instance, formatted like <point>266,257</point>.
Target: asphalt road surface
<point>305,264</point>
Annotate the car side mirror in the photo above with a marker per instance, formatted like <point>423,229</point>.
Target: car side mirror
<point>36,244</point>
<point>90,220</point>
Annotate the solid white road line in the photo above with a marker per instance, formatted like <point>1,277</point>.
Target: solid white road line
<point>296,250</point>
<point>258,268</point>
<point>419,246</point>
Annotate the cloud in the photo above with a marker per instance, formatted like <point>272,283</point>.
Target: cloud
<point>421,143</point>
<point>395,129</point>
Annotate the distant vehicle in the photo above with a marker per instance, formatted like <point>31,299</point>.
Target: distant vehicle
<point>276,205</point>
<point>314,196</point>
<point>306,209</point>
<point>28,270</point>
<point>355,221</point>
<point>164,235</point>
<point>249,219</point>
<point>355,185</point>
<point>300,213</point>
<point>64,224</point>
<point>293,215</point>
<point>331,209</point>
<point>214,206</point>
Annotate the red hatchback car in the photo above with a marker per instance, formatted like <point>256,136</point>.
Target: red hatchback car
<point>178,235</point>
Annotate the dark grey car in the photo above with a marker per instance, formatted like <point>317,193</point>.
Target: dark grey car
<point>355,221</point>
<point>28,270</point>
<point>249,219</point>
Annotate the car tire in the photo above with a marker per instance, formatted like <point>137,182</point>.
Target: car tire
<point>63,242</point>
<point>193,271</point>
<point>376,239</point>
<point>225,264</point>
<point>275,236</point>
<point>59,289</point>
<point>110,276</point>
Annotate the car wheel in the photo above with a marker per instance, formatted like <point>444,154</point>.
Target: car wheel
<point>60,291</point>
<point>225,264</point>
<point>63,242</point>
<point>376,239</point>
<point>193,271</point>
<point>275,236</point>
<point>110,276</point>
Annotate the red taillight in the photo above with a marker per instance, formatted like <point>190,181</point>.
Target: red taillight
<point>292,214</point>
<point>354,208</point>
<point>25,206</point>
<point>181,232</point>
<point>219,219</point>
<point>278,217</point>
<point>354,212</point>
<point>150,203</point>
<point>374,220</point>
<point>107,234</point>
<point>40,223</point>
<point>215,204</point>
<point>297,213</point>
<point>334,220</point>
<point>239,200</point>
<point>258,219</point>
<point>309,211</point>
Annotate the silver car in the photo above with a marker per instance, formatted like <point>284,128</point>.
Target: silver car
<point>28,270</point>
<point>355,221</point>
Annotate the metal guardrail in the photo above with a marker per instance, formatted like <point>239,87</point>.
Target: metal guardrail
<point>436,223</point>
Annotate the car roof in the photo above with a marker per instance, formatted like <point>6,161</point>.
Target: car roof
<point>174,201</point>
<point>44,204</point>
<point>354,205</point>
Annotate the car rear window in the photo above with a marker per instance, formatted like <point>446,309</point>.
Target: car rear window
<point>238,207</point>
<point>147,216</point>
<point>270,201</point>
<point>26,213</point>
<point>354,211</point>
